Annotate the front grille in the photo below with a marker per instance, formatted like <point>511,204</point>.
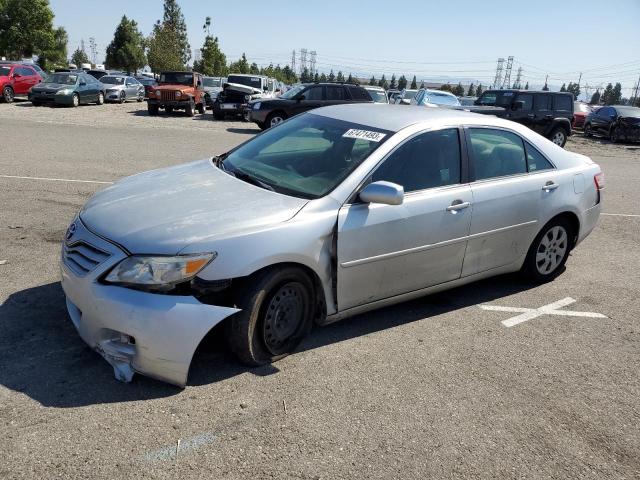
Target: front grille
<point>168,96</point>
<point>82,257</point>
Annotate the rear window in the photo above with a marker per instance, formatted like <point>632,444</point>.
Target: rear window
<point>255,82</point>
<point>563,103</point>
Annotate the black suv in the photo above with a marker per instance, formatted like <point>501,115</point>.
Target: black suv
<point>548,113</point>
<point>272,111</point>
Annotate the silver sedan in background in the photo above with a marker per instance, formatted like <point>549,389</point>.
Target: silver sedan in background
<point>121,88</point>
<point>332,213</point>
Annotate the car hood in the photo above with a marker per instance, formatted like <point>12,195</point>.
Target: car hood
<point>238,87</point>
<point>44,87</point>
<point>163,211</point>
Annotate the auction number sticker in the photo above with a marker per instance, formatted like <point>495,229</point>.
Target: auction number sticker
<point>364,135</point>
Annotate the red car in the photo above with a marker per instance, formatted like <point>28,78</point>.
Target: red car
<point>580,112</point>
<point>16,80</point>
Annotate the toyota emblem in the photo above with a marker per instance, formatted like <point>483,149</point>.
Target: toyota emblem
<point>70,231</point>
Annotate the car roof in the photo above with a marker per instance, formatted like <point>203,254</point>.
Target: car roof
<point>396,117</point>
<point>515,90</point>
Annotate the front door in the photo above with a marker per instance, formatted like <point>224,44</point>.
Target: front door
<point>506,198</point>
<point>314,97</point>
<point>387,250</point>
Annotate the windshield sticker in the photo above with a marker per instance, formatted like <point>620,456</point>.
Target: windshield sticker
<point>364,135</point>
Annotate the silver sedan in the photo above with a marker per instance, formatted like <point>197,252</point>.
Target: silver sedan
<point>332,213</point>
<point>121,88</point>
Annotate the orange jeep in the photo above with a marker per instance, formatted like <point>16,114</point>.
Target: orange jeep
<point>177,91</point>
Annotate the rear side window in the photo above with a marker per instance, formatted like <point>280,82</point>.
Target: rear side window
<point>313,93</point>
<point>335,93</point>
<point>429,160</point>
<point>25,71</point>
<point>496,153</point>
<point>359,93</point>
<point>563,103</point>
<point>535,160</point>
<point>542,102</point>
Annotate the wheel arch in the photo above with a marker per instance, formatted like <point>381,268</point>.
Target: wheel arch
<point>572,219</point>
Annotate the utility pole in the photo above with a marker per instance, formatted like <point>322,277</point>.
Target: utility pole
<point>312,63</point>
<point>636,100</point>
<point>519,78</point>
<point>293,61</point>
<point>497,81</point>
<point>507,74</point>
<point>303,60</point>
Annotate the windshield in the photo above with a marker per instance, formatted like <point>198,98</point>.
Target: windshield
<point>378,96</point>
<point>211,82</point>
<point>289,94</point>
<point>4,71</point>
<point>441,99</point>
<point>113,80</point>
<point>500,99</point>
<point>409,94</point>
<point>255,82</point>
<point>62,78</point>
<point>628,111</point>
<point>308,156</point>
<point>177,78</point>
<point>146,81</point>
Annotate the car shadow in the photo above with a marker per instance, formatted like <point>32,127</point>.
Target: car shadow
<point>42,356</point>
<point>244,131</point>
<point>175,114</point>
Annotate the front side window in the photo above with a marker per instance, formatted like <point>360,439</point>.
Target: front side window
<point>542,102</point>
<point>112,80</point>
<point>62,78</point>
<point>429,160</point>
<point>313,93</point>
<point>307,157</point>
<point>359,93</point>
<point>335,93</point>
<point>496,153</point>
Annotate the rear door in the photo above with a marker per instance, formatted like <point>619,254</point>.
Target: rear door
<point>543,113</point>
<point>388,250</point>
<point>524,115</point>
<point>506,198</point>
<point>131,88</point>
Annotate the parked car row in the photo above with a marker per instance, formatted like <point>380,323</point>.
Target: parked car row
<point>616,122</point>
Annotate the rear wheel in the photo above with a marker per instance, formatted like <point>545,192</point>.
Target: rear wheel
<point>559,136</point>
<point>7,94</point>
<point>614,135</point>
<point>276,314</point>
<point>549,251</point>
<point>123,97</point>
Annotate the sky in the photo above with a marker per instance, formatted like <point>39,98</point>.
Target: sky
<point>442,41</point>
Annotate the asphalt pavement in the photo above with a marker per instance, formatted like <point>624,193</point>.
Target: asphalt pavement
<point>434,388</point>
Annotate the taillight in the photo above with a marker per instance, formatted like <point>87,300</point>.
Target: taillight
<point>598,178</point>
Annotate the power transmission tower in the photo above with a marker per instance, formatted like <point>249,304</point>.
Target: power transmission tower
<point>518,83</point>
<point>497,81</point>
<point>303,59</point>
<point>312,63</point>
<point>93,46</point>
<point>293,61</point>
<point>507,73</point>
<point>636,100</point>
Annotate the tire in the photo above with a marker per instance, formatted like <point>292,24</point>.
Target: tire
<point>123,97</point>
<point>36,103</point>
<point>201,108</point>
<point>276,314</point>
<point>152,109</point>
<point>168,109</point>
<point>274,119</point>
<point>140,97</point>
<point>614,135</point>
<point>218,116</point>
<point>76,100</point>
<point>549,251</point>
<point>558,136</point>
<point>190,109</point>
<point>100,99</point>
<point>262,125</point>
<point>587,130</point>
<point>8,95</point>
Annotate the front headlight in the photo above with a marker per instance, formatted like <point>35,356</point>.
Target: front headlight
<point>257,105</point>
<point>178,94</point>
<point>158,93</point>
<point>65,91</point>
<point>158,273</point>
<point>247,98</point>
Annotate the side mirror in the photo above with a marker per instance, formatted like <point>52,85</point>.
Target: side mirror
<point>518,105</point>
<point>386,193</point>
<point>300,98</point>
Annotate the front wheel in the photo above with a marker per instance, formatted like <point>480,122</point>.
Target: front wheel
<point>559,137</point>
<point>276,314</point>
<point>7,94</point>
<point>587,130</point>
<point>100,98</point>
<point>275,119</point>
<point>76,100</point>
<point>549,251</point>
<point>152,109</point>
<point>614,135</point>
<point>201,108</point>
<point>190,109</point>
<point>123,97</point>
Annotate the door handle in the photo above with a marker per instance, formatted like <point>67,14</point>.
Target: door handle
<point>458,205</point>
<point>531,115</point>
<point>550,186</point>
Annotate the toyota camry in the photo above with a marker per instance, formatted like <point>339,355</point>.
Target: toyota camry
<point>331,213</point>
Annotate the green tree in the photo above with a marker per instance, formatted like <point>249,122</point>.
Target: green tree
<point>402,83</point>
<point>323,78</point>
<point>471,92</point>
<point>332,77</point>
<point>383,83</point>
<point>458,90</point>
<point>57,55</point>
<point>393,84</point>
<point>546,87</point>
<point>595,98</point>
<point>169,47</point>
<point>574,88</point>
<point>340,77</point>
<point>607,95</point>
<point>316,77</point>
<point>526,87</point>
<point>617,94</point>
<point>414,83</point>
<point>350,79</point>
<point>254,69</point>
<point>422,84</point>
<point>479,90</point>
<point>212,61</point>
<point>79,57</point>
<point>446,87</point>
<point>373,81</point>
<point>305,77</point>
<point>563,88</point>
<point>241,66</point>
<point>126,51</point>
<point>26,28</point>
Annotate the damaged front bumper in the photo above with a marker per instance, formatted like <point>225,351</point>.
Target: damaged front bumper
<point>135,331</point>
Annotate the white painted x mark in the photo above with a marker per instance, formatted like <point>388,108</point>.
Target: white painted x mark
<point>531,313</point>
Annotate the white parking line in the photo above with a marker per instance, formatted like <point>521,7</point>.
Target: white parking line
<point>55,179</point>
<point>620,215</point>
<point>182,446</point>
<point>527,314</point>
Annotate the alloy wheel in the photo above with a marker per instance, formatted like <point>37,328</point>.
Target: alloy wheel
<point>558,138</point>
<point>283,317</point>
<point>276,121</point>
<point>552,249</point>
<point>7,94</point>
<point>76,100</point>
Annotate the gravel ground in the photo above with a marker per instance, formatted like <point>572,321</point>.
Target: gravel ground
<point>434,388</point>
